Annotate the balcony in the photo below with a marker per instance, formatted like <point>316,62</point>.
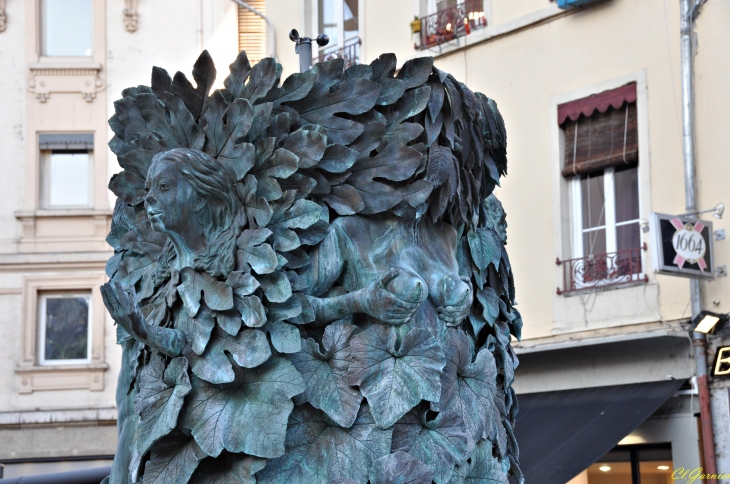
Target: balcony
<point>449,24</point>
<point>350,52</point>
<point>602,270</point>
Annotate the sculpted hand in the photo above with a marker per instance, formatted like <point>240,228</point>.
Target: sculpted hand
<point>455,301</point>
<point>120,301</point>
<point>395,297</point>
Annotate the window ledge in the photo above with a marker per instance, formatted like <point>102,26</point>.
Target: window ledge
<point>61,377</point>
<point>62,212</point>
<point>55,417</point>
<point>65,76</point>
<point>609,287</point>
<point>65,64</point>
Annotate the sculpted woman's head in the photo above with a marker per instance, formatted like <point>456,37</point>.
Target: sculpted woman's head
<point>191,200</point>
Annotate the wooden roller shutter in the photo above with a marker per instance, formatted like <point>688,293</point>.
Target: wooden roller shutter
<point>252,31</point>
<point>600,131</point>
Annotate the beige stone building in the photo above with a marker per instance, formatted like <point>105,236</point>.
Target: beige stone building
<point>591,98</point>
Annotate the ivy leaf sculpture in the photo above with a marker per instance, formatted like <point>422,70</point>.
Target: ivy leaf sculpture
<point>299,214</point>
<point>400,468</point>
<point>326,99</point>
<point>280,163</point>
<point>254,253</point>
<point>229,469</point>
<point>248,349</point>
<point>217,294</point>
<point>236,81</point>
<point>276,287</point>
<point>325,374</point>
<point>159,399</point>
<point>319,451</point>
<point>485,467</point>
<point>442,442</point>
<point>173,459</point>
<point>284,337</point>
<point>395,375</point>
<point>196,98</point>
<point>468,385</point>
<point>485,248</point>
<point>259,401</point>
<point>197,329</point>
<point>309,146</point>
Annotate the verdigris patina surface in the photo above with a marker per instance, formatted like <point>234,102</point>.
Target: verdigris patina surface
<point>310,283</point>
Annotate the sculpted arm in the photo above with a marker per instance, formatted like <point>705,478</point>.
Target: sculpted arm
<point>125,311</point>
<point>328,261</point>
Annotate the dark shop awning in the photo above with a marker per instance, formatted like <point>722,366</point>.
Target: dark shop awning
<point>562,433</point>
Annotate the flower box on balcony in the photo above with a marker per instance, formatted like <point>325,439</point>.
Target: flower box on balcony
<point>449,24</point>
<point>567,4</point>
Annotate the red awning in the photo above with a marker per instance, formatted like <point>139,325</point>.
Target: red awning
<point>588,105</point>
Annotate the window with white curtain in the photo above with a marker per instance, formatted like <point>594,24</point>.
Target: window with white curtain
<point>66,170</point>
<point>66,28</point>
<point>605,206</point>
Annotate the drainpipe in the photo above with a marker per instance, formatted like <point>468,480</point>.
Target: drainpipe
<point>699,340</point>
<point>270,26</point>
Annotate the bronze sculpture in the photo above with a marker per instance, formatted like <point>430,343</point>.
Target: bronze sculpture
<point>309,279</point>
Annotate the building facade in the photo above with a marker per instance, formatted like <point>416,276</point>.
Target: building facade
<point>591,98</point>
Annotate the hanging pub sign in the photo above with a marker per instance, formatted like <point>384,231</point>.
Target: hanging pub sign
<point>682,246</point>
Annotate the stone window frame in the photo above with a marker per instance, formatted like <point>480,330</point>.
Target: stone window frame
<point>32,376</point>
<point>42,326</point>
<point>561,186</point>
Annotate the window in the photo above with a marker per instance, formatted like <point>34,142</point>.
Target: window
<point>252,31</point>
<point>66,28</point>
<point>339,19</point>
<point>601,166</point>
<point>66,170</point>
<point>63,328</point>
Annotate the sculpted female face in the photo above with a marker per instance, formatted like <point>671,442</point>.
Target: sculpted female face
<point>170,198</point>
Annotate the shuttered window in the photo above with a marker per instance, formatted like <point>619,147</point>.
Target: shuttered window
<point>600,132</point>
<point>601,162</point>
<point>252,31</point>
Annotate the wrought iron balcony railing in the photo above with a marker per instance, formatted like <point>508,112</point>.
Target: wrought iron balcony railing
<point>350,51</point>
<point>451,23</point>
<point>602,270</point>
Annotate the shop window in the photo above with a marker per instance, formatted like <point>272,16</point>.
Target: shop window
<point>66,161</point>
<point>63,328</point>
<point>640,464</point>
<point>601,166</point>
<point>66,28</point>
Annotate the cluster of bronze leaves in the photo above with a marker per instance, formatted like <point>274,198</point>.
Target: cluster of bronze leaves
<point>236,407</point>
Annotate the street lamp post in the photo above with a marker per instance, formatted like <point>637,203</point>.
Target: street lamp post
<point>699,340</point>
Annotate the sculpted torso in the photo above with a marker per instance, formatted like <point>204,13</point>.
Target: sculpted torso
<point>413,265</point>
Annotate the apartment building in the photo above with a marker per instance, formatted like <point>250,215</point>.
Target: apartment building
<point>591,97</point>
<point>63,63</point>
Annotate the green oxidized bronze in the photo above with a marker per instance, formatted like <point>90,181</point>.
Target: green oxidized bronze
<point>309,280</point>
